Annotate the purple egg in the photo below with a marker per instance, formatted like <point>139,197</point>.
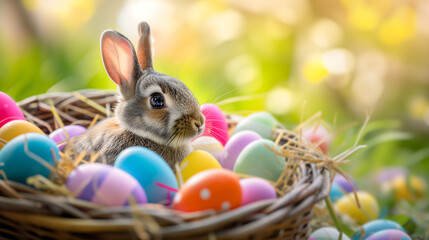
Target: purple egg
<point>256,189</point>
<point>389,234</point>
<point>344,184</point>
<point>72,130</point>
<point>234,147</point>
<point>104,185</point>
<point>387,174</point>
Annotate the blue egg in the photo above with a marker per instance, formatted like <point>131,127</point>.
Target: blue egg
<point>151,171</point>
<point>336,192</point>
<point>376,226</point>
<point>389,234</point>
<point>27,155</point>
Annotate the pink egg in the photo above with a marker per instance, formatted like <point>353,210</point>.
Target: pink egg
<point>9,111</point>
<point>235,145</point>
<point>319,136</point>
<point>72,130</point>
<point>105,185</point>
<point>256,189</point>
<point>216,125</point>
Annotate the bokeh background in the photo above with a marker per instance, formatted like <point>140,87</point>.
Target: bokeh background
<point>290,57</point>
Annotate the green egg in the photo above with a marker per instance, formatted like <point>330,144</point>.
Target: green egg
<point>257,160</point>
<point>262,123</point>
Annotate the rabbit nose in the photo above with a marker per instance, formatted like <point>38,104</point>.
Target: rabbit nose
<point>197,124</point>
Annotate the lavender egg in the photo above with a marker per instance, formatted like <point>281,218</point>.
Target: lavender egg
<point>234,147</point>
<point>59,135</point>
<point>389,234</point>
<point>256,189</point>
<point>390,173</point>
<point>344,184</point>
<point>105,185</point>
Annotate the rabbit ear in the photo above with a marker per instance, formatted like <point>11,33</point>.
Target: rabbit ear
<point>120,62</point>
<point>144,49</point>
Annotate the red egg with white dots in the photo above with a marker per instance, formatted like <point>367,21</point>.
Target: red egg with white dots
<point>217,189</point>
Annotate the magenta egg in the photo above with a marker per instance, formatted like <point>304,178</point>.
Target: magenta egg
<point>216,125</point>
<point>72,130</point>
<point>389,234</point>
<point>235,145</point>
<point>9,111</point>
<point>105,185</point>
<point>256,189</point>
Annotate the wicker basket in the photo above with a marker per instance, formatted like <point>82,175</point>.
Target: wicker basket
<point>27,213</point>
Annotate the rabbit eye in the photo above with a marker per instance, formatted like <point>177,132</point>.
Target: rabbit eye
<point>157,100</point>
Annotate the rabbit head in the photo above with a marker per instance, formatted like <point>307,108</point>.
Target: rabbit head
<point>151,104</point>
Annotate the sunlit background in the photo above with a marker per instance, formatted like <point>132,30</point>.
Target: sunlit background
<point>292,58</point>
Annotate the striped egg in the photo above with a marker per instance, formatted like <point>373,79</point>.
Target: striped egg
<point>105,185</point>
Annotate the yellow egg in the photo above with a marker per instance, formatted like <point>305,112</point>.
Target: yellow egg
<point>15,128</point>
<point>196,162</point>
<point>409,189</point>
<point>208,144</point>
<point>369,207</point>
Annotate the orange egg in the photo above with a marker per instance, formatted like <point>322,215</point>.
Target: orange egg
<point>217,189</point>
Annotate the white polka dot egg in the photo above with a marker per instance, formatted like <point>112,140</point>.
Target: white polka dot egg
<point>217,189</point>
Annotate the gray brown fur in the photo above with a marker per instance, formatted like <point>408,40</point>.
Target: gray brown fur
<point>166,131</point>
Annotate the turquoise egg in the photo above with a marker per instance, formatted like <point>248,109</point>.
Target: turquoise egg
<point>336,192</point>
<point>151,171</point>
<point>376,226</point>
<point>262,123</point>
<point>26,156</point>
<point>389,234</point>
<point>327,233</point>
<point>259,161</point>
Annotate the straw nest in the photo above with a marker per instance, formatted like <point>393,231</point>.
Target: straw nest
<point>48,210</point>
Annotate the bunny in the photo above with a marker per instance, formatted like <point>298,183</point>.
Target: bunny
<point>155,110</point>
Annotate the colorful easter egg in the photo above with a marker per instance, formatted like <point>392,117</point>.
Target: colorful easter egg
<point>208,144</point>
<point>215,125</point>
<point>258,160</point>
<point>105,185</point>
<point>27,155</point>
<point>327,233</point>
<point>389,234</point>
<point>262,123</point>
<point>408,187</point>
<point>374,226</point>
<point>217,189</point>
<point>389,173</point>
<point>59,135</point>
<point>318,136</point>
<point>235,145</point>
<point>9,111</point>
<point>344,183</point>
<point>151,171</point>
<point>369,207</point>
<point>256,189</point>
<point>197,161</point>
<point>336,192</point>
<point>15,128</point>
